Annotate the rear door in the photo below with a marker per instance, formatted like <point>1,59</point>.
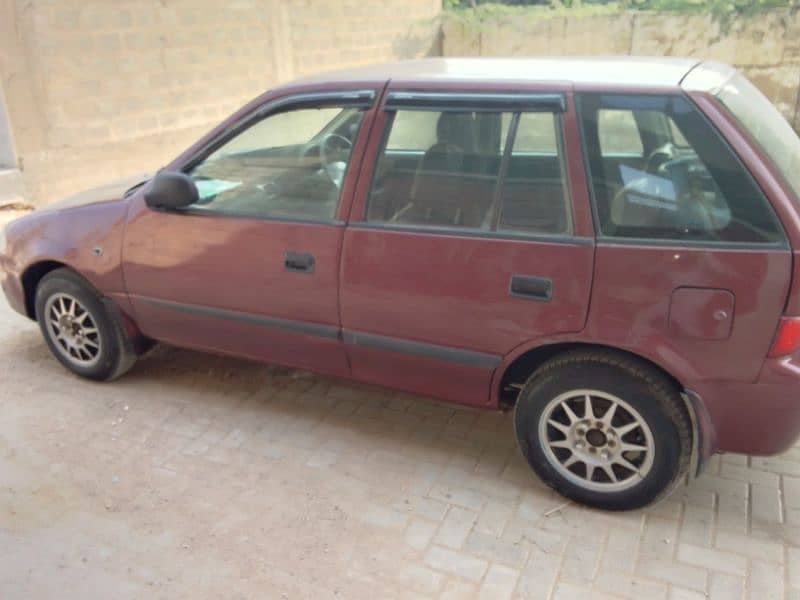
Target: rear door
<point>464,241</point>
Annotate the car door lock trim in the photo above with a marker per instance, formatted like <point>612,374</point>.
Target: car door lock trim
<point>315,329</point>
<point>470,358</point>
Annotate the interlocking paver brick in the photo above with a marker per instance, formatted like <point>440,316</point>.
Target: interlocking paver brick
<point>766,550</point>
<point>382,516</point>
<point>499,583</point>
<point>793,565</point>
<point>725,587</point>
<point>540,575</point>
<point>678,593</point>
<point>456,589</point>
<point>494,516</point>
<point>491,548</point>
<point>766,581</point>
<point>420,506</point>
<point>713,560</point>
<point>456,527</point>
<point>698,525</point>
<point>419,533</point>
<point>569,591</point>
<point>458,496</point>
<point>457,563</point>
<point>581,559</point>
<point>282,483</point>
<point>767,512</point>
<point>672,572</point>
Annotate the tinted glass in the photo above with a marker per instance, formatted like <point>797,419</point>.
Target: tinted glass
<point>534,195</point>
<point>685,184</point>
<point>456,170</point>
<point>619,133</point>
<point>288,165</point>
<point>535,133</point>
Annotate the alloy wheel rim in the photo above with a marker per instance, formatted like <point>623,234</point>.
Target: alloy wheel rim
<point>72,330</point>
<point>596,440</point>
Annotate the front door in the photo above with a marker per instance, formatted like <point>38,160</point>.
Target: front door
<point>463,242</point>
<point>252,268</point>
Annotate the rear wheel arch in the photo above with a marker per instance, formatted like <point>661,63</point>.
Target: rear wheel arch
<point>519,370</point>
<point>584,454</point>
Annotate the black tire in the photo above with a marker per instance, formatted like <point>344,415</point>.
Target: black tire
<point>616,376</point>
<point>116,353</point>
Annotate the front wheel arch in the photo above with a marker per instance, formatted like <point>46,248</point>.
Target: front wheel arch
<point>30,280</point>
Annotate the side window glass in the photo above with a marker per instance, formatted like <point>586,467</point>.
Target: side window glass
<point>413,130</point>
<point>451,169</point>
<point>534,195</point>
<point>619,133</point>
<point>289,165</point>
<point>686,183</point>
<point>535,133</point>
<point>448,181</point>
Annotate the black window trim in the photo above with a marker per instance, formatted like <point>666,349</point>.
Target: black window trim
<point>608,240</point>
<point>556,109</point>
<point>363,99</point>
<point>502,234</point>
<point>475,101</point>
<point>345,99</point>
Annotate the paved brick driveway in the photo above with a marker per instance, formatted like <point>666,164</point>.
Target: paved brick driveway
<point>202,477</point>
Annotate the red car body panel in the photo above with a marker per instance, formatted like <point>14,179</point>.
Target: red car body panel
<point>170,260</point>
<point>430,311</point>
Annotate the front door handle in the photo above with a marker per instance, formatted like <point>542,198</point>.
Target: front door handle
<point>532,288</point>
<point>299,262</point>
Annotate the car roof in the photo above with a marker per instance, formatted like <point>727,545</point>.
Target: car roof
<point>615,71</point>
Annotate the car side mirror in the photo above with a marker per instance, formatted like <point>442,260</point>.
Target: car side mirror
<point>171,190</point>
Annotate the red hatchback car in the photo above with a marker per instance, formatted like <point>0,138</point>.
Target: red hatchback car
<point>609,246</point>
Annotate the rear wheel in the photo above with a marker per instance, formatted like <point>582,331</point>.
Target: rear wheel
<point>604,429</point>
<point>83,333</point>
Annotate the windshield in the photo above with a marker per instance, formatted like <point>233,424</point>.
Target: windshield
<point>766,125</point>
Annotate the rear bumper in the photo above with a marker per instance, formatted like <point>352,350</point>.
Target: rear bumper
<point>753,418</point>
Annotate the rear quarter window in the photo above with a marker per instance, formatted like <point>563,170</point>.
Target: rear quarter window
<point>681,181</point>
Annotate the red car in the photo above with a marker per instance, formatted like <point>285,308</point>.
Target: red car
<point>609,246</point>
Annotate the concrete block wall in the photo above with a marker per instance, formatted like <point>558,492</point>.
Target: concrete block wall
<point>766,48</point>
<point>100,89</point>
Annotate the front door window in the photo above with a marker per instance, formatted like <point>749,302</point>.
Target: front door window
<point>290,165</point>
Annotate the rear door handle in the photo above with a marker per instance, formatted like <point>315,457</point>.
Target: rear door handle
<point>531,288</point>
<point>299,262</point>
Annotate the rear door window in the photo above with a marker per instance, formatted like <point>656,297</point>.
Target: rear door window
<point>485,171</point>
<point>684,182</point>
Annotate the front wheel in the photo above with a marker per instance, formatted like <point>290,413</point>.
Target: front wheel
<point>604,429</point>
<point>84,334</point>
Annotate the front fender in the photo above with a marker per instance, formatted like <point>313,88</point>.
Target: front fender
<point>87,239</point>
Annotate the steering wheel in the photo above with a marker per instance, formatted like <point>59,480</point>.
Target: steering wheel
<point>334,148</point>
<point>663,154</point>
<point>333,153</point>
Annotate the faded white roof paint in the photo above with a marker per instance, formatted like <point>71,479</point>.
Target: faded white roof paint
<point>627,71</point>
